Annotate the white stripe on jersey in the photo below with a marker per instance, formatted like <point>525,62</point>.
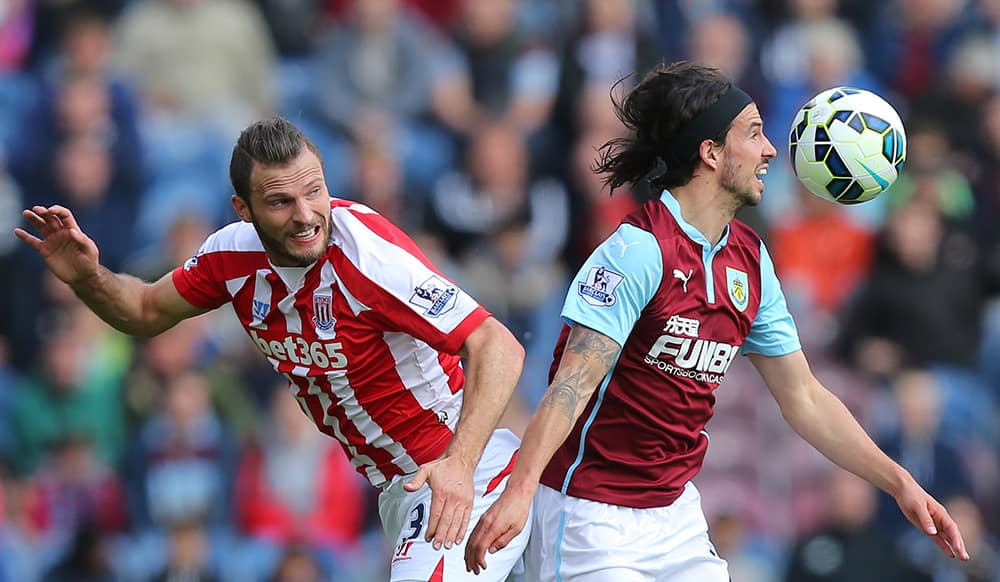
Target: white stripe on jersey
<point>356,306</point>
<point>327,278</point>
<point>424,378</point>
<point>293,321</point>
<point>363,422</point>
<point>375,477</point>
<point>239,235</point>
<point>366,248</point>
<point>261,297</point>
<point>234,285</point>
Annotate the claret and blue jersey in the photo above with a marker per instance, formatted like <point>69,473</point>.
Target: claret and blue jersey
<point>682,310</point>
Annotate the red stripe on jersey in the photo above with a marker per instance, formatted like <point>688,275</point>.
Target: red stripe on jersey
<point>438,575</point>
<point>381,392</point>
<point>314,407</point>
<point>382,459</point>
<point>495,481</point>
<point>203,284</point>
<point>453,369</point>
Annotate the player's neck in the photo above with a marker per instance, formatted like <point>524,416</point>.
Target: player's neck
<point>704,207</point>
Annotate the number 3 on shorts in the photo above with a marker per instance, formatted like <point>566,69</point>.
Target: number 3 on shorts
<point>417,523</point>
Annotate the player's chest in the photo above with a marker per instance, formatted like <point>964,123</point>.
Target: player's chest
<point>710,294</point>
<point>311,324</point>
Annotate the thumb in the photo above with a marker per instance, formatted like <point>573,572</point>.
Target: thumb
<point>417,481</point>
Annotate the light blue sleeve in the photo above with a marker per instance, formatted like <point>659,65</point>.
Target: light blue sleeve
<point>615,283</point>
<point>772,332</point>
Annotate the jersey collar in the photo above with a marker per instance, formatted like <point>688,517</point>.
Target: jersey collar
<point>692,233</point>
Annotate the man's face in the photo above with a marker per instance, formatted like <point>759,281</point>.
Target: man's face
<point>745,158</point>
<point>290,208</point>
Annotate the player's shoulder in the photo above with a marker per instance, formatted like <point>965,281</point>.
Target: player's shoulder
<point>742,235</point>
<point>341,205</point>
<point>234,237</point>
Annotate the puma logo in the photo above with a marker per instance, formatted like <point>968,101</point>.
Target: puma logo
<point>618,241</point>
<point>678,274</point>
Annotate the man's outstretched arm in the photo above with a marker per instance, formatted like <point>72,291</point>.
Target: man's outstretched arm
<point>125,302</point>
<point>823,420</point>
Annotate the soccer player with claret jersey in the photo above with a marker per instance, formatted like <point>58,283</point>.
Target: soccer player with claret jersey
<point>654,319</point>
<point>368,333</point>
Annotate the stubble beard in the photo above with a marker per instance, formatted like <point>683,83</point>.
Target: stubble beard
<point>742,196</point>
<point>277,249</point>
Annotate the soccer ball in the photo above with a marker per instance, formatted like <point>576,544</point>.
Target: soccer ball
<point>847,145</point>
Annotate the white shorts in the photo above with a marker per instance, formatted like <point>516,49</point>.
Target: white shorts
<point>579,540</point>
<point>404,518</point>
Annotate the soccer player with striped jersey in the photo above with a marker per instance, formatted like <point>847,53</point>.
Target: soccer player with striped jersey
<point>654,319</point>
<point>368,333</point>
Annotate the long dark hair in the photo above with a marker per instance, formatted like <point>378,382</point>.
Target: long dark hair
<point>667,97</point>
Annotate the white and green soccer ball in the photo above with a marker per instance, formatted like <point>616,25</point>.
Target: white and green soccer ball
<point>847,145</point>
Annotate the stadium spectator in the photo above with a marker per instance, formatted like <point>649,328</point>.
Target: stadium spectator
<point>76,389</point>
<point>496,188</point>
<point>918,444</point>
<point>849,547</point>
<point>197,58</point>
<point>608,39</point>
<point>295,486</point>
<point>188,554</point>
<point>16,29</point>
<point>821,255</point>
<point>922,303</point>
<point>508,75</point>
<point>379,69</point>
<point>183,462</point>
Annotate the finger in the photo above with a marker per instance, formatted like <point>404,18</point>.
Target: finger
<point>450,517</point>
<point>35,220</point>
<point>953,537</point>
<point>475,549</point>
<point>51,220</point>
<point>463,525</point>
<point>65,216</point>
<point>503,539</point>
<point>921,517</point>
<point>437,508</point>
<point>417,481</point>
<point>33,241</point>
<point>944,545</point>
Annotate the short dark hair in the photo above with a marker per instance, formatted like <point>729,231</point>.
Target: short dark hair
<point>269,142</point>
<point>654,112</point>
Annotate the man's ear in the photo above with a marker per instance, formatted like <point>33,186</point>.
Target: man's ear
<point>242,208</point>
<point>709,152</point>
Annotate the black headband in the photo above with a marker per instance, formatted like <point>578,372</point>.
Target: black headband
<point>709,123</point>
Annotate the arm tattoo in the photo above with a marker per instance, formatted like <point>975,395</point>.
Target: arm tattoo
<point>586,360</point>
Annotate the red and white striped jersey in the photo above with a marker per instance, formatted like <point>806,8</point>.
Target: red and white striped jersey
<point>367,341</point>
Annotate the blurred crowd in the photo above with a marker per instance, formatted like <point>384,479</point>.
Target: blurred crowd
<point>473,125</point>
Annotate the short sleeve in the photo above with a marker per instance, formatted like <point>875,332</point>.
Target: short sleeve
<point>616,283</point>
<point>199,280</point>
<point>772,332</point>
